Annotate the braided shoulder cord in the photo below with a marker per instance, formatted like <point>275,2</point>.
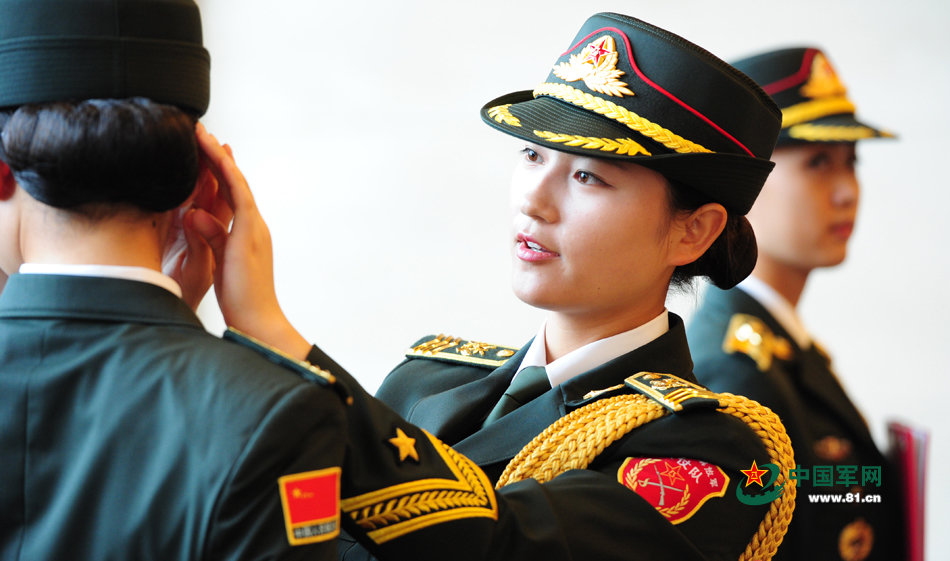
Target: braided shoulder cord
<point>573,441</point>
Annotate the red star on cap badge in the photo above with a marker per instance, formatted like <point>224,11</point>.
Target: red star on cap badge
<point>754,474</point>
<point>597,52</point>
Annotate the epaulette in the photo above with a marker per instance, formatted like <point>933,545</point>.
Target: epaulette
<point>674,393</point>
<point>750,336</point>
<point>303,369</point>
<point>454,349</point>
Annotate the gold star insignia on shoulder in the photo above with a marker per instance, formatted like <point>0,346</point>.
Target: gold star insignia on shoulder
<point>750,336</point>
<point>454,349</point>
<point>405,445</point>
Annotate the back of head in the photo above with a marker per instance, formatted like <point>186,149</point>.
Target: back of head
<point>100,99</point>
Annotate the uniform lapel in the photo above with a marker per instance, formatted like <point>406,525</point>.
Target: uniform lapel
<point>459,411</point>
<point>503,439</point>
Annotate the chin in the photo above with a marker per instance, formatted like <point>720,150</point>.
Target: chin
<point>832,259</point>
<point>537,297</point>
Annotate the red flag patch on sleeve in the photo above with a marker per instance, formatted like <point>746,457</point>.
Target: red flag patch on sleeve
<point>311,502</point>
<point>676,487</point>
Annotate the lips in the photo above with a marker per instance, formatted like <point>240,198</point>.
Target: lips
<point>842,230</point>
<point>529,249</point>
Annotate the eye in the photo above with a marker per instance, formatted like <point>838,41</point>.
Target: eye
<point>818,160</point>
<point>587,178</point>
<point>530,154</point>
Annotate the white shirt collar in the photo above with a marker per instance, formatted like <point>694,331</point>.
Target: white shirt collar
<point>593,354</point>
<point>780,308</point>
<point>141,274</point>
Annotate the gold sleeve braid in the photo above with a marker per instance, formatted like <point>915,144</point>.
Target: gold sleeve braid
<point>576,439</point>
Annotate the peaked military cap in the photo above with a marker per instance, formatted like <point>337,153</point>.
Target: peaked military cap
<point>64,50</point>
<point>627,90</point>
<point>815,107</point>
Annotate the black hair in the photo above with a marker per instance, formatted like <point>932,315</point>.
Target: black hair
<point>96,153</point>
<point>729,259</point>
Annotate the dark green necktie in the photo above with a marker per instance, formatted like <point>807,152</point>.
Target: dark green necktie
<point>531,382</point>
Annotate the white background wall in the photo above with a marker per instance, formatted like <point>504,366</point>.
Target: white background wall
<point>357,125</point>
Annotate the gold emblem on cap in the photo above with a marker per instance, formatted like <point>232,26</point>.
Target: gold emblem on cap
<point>827,97</point>
<point>823,81</point>
<point>856,540</point>
<point>596,65</point>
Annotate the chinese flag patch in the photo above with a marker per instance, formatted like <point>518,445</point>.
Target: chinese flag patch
<point>676,487</point>
<point>311,502</point>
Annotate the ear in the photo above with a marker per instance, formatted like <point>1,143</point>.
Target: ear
<point>693,233</point>
<point>7,182</point>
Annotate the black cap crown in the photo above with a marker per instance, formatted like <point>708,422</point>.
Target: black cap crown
<point>628,90</point>
<point>813,100</point>
<point>63,50</point>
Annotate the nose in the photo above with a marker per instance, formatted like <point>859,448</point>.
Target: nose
<point>847,190</point>
<point>534,192</point>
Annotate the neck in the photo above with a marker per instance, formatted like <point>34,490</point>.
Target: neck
<point>565,332</point>
<point>787,280</point>
<point>126,239</point>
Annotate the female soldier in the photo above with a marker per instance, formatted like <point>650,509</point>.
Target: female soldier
<point>642,152</point>
<point>750,340</point>
<point>126,430</point>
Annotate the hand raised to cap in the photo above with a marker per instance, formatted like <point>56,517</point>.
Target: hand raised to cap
<point>243,255</point>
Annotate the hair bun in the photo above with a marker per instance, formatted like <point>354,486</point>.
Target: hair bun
<point>732,257</point>
<point>131,151</point>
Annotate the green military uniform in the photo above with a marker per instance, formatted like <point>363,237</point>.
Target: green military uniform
<point>625,91</point>
<point>449,389</point>
<point>129,432</point>
<point>740,347</point>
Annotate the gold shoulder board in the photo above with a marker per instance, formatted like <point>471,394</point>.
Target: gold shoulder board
<point>454,349</point>
<point>750,336</point>
<point>672,392</point>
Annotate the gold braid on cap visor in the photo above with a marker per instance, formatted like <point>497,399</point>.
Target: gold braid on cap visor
<point>811,110</point>
<point>621,115</point>
<point>822,133</point>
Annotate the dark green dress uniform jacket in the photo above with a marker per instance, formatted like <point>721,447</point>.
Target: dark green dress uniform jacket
<point>582,514</point>
<point>824,426</point>
<point>127,432</point>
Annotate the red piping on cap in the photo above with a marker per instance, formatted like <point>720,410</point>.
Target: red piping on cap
<point>796,78</point>
<point>656,86</point>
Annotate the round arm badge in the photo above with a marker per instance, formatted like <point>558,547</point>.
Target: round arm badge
<point>676,487</point>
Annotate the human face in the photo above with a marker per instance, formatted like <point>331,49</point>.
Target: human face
<point>805,214</point>
<point>590,236</point>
